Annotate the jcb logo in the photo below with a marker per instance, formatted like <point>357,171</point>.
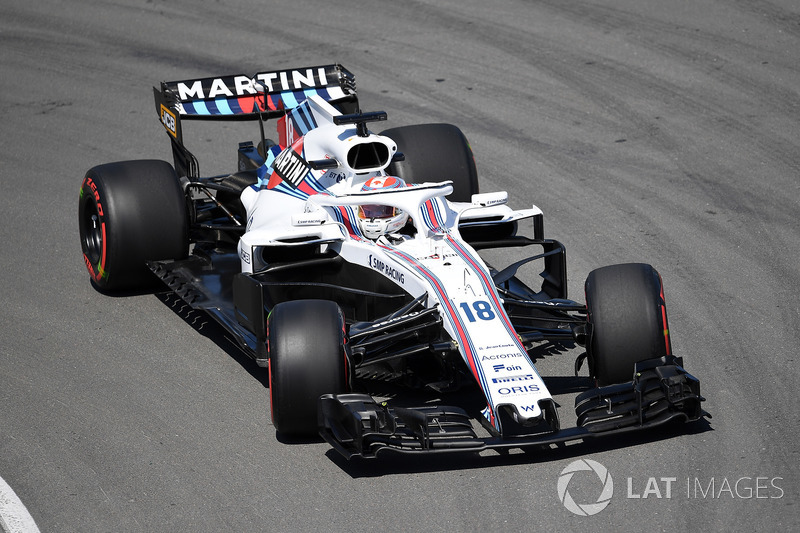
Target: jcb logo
<point>169,121</point>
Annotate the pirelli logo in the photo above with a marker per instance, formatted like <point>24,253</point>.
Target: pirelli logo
<point>169,121</point>
<point>291,167</point>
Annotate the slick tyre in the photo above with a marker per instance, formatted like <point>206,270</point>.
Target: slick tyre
<point>307,359</point>
<point>435,152</point>
<point>628,320</point>
<point>130,212</point>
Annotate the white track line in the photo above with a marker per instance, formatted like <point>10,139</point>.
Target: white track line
<point>14,517</point>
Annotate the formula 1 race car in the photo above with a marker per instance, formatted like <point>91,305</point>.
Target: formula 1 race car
<point>338,257</point>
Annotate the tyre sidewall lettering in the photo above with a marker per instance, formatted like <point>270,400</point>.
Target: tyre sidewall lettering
<point>96,270</point>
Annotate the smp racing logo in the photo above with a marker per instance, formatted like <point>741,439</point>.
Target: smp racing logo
<point>387,270</point>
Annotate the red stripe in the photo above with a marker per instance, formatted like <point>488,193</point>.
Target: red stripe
<point>103,259</point>
<point>306,188</point>
<point>346,220</point>
<point>431,212</point>
<point>664,323</point>
<point>274,180</point>
<point>247,103</point>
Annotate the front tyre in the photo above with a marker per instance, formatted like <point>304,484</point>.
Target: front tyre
<point>628,320</point>
<point>307,359</point>
<point>130,212</point>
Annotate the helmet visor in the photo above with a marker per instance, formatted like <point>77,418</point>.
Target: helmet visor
<point>376,211</point>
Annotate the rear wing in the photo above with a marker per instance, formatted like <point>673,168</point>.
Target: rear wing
<point>240,97</point>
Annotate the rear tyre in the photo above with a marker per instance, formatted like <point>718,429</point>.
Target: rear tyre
<point>435,152</point>
<point>130,212</point>
<point>307,359</point>
<point>628,319</point>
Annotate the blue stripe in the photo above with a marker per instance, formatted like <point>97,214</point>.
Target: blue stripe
<point>223,107</point>
<point>353,219</point>
<point>300,127</point>
<point>437,209</point>
<point>265,171</point>
<point>320,91</point>
<point>277,101</point>
<point>302,118</point>
<point>308,117</point>
<point>289,101</point>
<point>200,107</point>
<point>235,108</point>
<point>286,189</point>
<point>299,96</point>
<point>230,106</point>
<point>310,92</point>
<point>312,182</point>
<point>212,107</point>
<point>424,212</point>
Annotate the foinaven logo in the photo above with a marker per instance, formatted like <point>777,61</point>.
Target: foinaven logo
<point>589,466</point>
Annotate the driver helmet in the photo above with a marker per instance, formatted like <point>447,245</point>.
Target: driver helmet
<point>376,220</point>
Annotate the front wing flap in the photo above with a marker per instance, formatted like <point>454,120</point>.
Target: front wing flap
<point>661,391</point>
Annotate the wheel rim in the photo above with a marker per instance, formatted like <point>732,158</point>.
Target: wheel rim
<point>92,232</point>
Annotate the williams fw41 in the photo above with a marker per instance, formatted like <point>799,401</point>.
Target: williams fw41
<point>346,261</point>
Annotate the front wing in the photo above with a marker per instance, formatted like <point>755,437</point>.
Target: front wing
<point>661,391</point>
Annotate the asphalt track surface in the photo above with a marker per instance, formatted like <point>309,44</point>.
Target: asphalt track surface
<point>660,131</point>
